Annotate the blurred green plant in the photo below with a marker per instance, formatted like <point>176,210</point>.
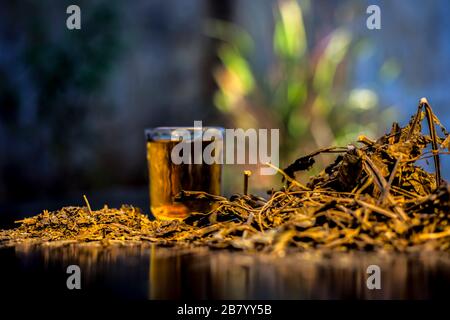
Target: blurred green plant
<point>304,91</point>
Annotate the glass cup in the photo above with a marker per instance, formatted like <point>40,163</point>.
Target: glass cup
<point>167,178</point>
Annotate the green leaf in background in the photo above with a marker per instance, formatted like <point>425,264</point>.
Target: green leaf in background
<point>290,37</point>
<point>238,66</point>
<point>333,55</point>
<point>235,80</point>
<point>296,93</point>
<point>229,33</point>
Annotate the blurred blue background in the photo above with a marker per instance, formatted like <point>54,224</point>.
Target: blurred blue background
<point>74,104</point>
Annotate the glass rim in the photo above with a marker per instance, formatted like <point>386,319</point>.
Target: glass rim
<point>150,133</point>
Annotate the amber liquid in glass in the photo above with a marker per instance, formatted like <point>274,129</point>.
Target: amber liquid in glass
<point>168,179</point>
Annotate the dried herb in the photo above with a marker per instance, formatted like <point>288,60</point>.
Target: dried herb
<point>371,197</point>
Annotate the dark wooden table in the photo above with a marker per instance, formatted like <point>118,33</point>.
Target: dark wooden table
<point>166,273</point>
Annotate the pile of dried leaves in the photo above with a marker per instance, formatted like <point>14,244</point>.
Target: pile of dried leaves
<point>371,197</point>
